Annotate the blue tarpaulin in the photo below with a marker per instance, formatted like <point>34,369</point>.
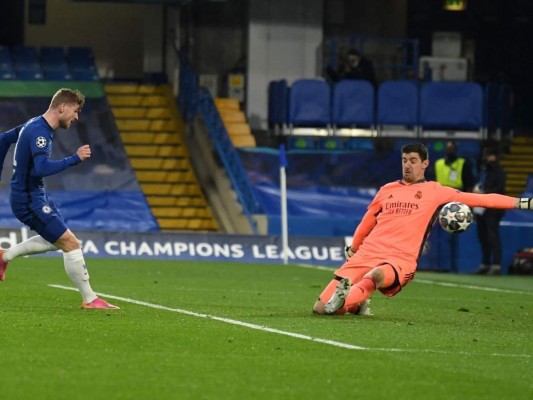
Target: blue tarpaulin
<point>101,193</point>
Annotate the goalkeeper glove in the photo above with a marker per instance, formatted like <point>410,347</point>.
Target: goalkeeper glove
<point>348,252</point>
<point>525,203</point>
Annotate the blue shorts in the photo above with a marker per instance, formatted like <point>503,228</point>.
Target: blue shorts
<point>40,214</point>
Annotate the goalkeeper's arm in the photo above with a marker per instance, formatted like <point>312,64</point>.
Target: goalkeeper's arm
<point>494,200</point>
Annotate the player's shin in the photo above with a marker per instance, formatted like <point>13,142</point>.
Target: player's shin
<point>34,245</point>
<point>78,274</point>
<point>359,293</point>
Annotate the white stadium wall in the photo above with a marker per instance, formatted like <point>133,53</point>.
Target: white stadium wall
<point>126,38</point>
<point>283,40</point>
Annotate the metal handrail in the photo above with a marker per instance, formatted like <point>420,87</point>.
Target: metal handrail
<point>193,101</point>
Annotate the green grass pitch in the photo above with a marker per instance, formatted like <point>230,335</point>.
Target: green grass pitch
<point>182,334</point>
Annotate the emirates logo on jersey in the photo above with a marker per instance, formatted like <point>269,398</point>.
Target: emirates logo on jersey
<point>41,142</point>
<point>418,195</point>
<point>399,207</point>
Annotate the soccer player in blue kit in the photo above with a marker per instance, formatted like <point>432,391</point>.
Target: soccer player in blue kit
<point>29,200</point>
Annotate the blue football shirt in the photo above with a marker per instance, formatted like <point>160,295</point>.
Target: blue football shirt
<point>32,162</point>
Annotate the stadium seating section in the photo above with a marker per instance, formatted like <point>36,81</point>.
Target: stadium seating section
<point>403,108</point>
<point>151,132</point>
<point>234,121</point>
<point>47,63</point>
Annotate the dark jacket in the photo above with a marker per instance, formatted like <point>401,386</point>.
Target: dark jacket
<point>492,180</point>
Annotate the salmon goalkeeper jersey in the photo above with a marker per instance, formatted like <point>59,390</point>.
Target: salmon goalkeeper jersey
<point>400,217</point>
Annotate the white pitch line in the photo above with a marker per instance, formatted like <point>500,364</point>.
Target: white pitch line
<point>475,287</point>
<point>221,319</point>
<point>273,330</point>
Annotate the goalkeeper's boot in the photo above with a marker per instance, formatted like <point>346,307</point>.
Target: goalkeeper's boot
<point>3,266</point>
<point>364,308</point>
<point>99,304</point>
<point>337,300</point>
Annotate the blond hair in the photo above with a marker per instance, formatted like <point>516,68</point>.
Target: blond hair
<point>67,96</point>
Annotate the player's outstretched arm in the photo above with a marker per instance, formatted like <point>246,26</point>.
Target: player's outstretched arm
<point>363,229</point>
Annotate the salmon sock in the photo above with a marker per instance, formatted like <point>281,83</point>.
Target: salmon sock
<point>358,293</point>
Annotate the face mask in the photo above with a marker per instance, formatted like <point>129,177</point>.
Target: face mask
<point>451,156</point>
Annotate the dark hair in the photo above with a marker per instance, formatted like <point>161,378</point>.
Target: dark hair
<point>354,52</point>
<point>416,148</point>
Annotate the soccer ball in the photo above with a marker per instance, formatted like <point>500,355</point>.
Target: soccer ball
<point>455,217</point>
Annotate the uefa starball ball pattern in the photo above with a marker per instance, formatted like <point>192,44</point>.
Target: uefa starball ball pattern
<point>455,217</point>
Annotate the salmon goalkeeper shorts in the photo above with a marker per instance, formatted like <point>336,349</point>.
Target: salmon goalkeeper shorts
<point>397,273</point>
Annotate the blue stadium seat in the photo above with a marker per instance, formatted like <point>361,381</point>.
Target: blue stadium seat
<point>451,106</point>
<point>57,75</point>
<point>26,63</point>
<point>398,104</point>
<point>7,73</point>
<point>55,63</point>
<point>25,54</point>
<point>309,104</point>
<point>80,58</point>
<point>30,75</point>
<point>7,69</point>
<point>277,104</point>
<point>80,52</point>
<point>353,104</point>
<point>51,53</point>
<point>6,62</point>
<point>85,75</point>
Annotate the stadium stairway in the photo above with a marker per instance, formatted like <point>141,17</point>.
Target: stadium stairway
<point>518,164</point>
<point>152,133</point>
<point>235,122</point>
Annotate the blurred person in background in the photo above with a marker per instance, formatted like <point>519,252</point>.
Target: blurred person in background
<point>492,179</point>
<point>353,66</point>
<point>456,172</point>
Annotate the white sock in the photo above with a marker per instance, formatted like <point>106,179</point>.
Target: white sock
<point>77,272</point>
<point>34,245</point>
